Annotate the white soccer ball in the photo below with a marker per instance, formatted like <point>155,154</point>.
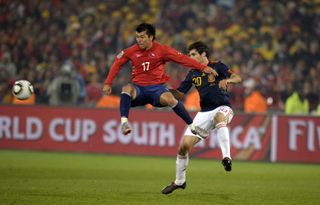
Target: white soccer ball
<point>22,89</point>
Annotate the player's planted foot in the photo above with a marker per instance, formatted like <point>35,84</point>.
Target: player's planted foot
<point>125,128</point>
<point>199,131</point>
<point>171,187</point>
<point>227,164</point>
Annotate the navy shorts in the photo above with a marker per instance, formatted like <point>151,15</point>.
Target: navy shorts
<point>148,95</point>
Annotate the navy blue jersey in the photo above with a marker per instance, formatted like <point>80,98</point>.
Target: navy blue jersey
<point>211,96</point>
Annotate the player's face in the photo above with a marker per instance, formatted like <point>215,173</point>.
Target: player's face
<point>194,54</point>
<point>143,40</point>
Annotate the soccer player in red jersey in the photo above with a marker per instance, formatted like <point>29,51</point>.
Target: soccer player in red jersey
<point>148,58</point>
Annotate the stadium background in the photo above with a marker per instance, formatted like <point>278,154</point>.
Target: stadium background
<point>273,45</point>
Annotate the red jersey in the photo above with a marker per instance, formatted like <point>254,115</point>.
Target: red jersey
<point>148,65</point>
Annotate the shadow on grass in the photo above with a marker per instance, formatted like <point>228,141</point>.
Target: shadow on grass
<point>181,196</point>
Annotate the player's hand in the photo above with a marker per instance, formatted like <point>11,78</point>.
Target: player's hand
<point>210,71</point>
<point>212,74</point>
<point>223,84</point>
<point>106,89</point>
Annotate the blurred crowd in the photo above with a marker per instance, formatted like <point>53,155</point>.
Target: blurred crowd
<point>65,48</point>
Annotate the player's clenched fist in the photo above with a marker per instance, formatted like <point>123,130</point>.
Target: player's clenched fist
<point>106,89</point>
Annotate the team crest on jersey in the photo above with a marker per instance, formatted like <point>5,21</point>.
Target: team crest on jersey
<point>120,54</point>
<point>152,55</point>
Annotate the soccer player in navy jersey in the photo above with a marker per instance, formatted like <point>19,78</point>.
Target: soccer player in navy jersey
<point>215,111</point>
<point>148,58</point>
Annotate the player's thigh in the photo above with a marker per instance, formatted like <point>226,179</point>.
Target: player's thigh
<point>157,94</point>
<point>223,114</point>
<point>149,95</point>
<point>141,98</point>
<point>202,120</point>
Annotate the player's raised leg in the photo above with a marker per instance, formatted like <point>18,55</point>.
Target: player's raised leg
<point>224,116</point>
<point>169,100</point>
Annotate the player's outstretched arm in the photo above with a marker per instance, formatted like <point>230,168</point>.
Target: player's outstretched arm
<point>184,60</point>
<point>177,94</point>
<point>234,78</point>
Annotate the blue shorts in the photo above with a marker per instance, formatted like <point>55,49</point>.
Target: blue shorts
<point>148,95</point>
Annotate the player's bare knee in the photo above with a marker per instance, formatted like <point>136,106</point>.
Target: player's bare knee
<point>219,117</point>
<point>183,149</point>
<point>172,101</point>
<point>185,146</point>
<point>168,99</point>
<point>128,89</point>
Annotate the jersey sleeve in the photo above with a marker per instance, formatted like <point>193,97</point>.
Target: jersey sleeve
<point>171,54</point>
<point>121,59</point>
<point>186,84</point>
<point>223,69</point>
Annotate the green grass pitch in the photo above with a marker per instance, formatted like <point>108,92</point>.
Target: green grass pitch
<point>92,179</point>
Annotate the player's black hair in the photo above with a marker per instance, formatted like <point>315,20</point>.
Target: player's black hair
<point>151,31</point>
<point>200,47</point>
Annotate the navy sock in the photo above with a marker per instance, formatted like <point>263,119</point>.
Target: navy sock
<point>125,104</point>
<point>181,111</point>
